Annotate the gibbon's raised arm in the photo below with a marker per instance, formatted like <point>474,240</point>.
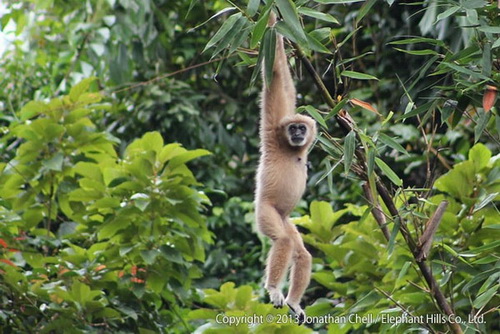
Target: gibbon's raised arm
<point>278,100</point>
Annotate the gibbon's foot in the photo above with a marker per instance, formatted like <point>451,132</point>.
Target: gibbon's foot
<point>276,297</point>
<point>300,315</point>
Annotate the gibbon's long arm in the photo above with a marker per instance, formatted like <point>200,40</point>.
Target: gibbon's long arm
<point>278,100</point>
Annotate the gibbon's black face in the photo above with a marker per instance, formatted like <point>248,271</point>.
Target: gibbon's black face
<point>297,134</point>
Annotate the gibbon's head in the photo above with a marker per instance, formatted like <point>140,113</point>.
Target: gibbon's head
<point>299,131</point>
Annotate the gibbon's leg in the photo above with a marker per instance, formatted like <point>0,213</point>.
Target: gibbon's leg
<point>279,258</point>
<point>300,274</point>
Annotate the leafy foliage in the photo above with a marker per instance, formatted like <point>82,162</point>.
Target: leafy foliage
<point>92,240</point>
<point>104,228</point>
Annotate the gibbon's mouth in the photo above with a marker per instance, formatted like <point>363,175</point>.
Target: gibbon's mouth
<point>297,140</point>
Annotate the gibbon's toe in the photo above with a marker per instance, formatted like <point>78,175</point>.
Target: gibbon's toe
<point>300,315</point>
<point>277,298</point>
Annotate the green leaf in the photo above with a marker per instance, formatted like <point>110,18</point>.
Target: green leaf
<point>80,88</point>
<point>269,50</point>
<point>253,6</point>
<point>480,155</point>
<point>149,256</point>
<point>364,10</point>
<point>314,114</point>
<point>31,109</point>
<point>55,163</point>
<point>490,30</point>
<point>336,109</point>
<point>349,146</point>
<point>260,27</point>
<point>388,172</point>
<point>233,35</point>
<point>223,31</point>
<point>290,17</point>
<point>357,75</point>
<point>392,143</point>
<point>318,15</point>
<point>447,13</point>
<point>419,40</point>
<point>485,297</point>
<point>425,52</point>
<point>187,156</point>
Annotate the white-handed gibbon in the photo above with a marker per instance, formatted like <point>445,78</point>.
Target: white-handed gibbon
<point>281,181</point>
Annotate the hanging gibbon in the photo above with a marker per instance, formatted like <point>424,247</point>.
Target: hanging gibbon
<point>281,180</point>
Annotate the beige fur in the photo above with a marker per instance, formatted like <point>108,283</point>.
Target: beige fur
<point>281,181</point>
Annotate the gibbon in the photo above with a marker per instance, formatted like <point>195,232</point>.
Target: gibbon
<point>281,180</point>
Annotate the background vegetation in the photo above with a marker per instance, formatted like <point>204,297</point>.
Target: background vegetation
<point>129,145</point>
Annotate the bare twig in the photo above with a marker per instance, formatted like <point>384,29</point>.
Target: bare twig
<point>425,240</point>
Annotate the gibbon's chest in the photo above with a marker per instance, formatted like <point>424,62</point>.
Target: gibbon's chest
<point>283,179</point>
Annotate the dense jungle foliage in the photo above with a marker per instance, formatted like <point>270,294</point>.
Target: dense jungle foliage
<point>129,142</point>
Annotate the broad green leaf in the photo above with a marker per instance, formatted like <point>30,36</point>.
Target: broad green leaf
<point>388,172</point>
<point>480,155</point>
<point>80,88</point>
<point>357,75</point>
<point>55,163</point>
<point>31,109</point>
<point>187,156</point>
<point>149,256</point>
<point>349,147</point>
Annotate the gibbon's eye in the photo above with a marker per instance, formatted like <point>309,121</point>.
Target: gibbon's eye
<point>302,128</point>
<point>292,127</point>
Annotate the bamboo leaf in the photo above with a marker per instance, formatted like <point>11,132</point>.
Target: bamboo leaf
<point>388,172</point>
<point>318,15</point>
<point>223,31</point>
<point>392,143</point>
<point>289,13</point>
<point>260,28</point>
<point>336,109</point>
<point>358,75</point>
<point>349,146</point>
<point>253,6</point>
<point>269,50</point>
<point>315,114</point>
